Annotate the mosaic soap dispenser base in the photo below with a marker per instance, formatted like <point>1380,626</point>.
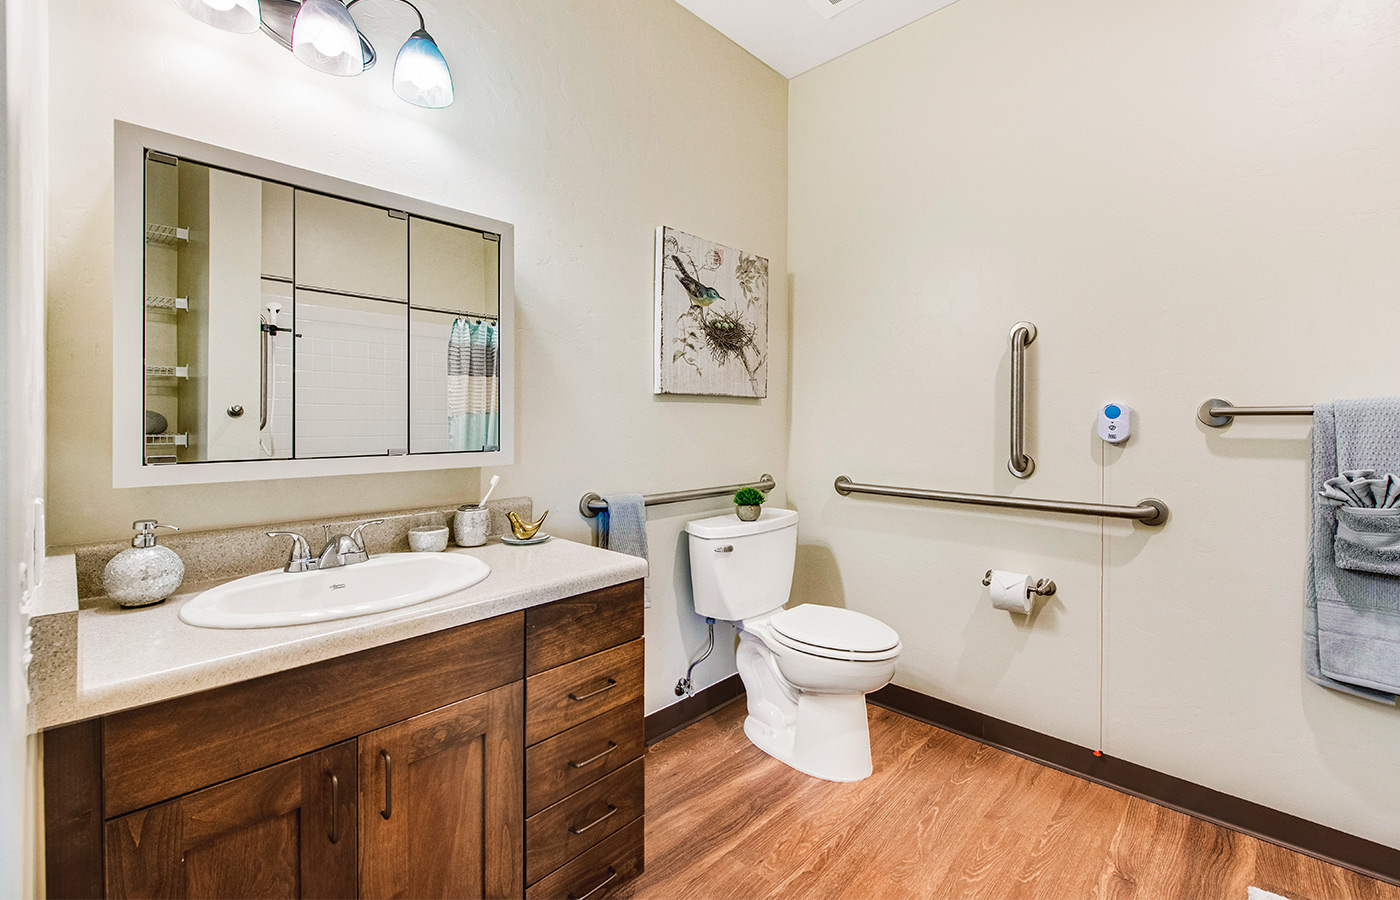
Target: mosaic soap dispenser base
<point>145,573</point>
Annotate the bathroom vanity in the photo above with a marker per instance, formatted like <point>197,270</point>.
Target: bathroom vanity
<point>499,757</point>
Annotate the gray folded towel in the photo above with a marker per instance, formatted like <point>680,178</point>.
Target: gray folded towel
<point>623,525</point>
<point>1368,521</point>
<point>1351,632</point>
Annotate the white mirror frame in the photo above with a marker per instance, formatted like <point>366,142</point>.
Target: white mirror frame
<point>128,322</point>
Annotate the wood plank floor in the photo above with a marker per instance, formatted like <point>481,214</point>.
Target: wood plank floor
<point>943,816</point>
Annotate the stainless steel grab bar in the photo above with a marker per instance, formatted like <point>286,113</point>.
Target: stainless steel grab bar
<point>591,504</point>
<point>1022,336</point>
<point>1218,413</point>
<point>1150,511</point>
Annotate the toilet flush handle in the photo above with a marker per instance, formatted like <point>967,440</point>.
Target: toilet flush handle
<point>726,548</point>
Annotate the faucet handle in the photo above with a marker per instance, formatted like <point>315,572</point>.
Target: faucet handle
<point>300,559</point>
<point>358,538</point>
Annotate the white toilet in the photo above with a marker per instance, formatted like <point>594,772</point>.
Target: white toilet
<point>806,669</point>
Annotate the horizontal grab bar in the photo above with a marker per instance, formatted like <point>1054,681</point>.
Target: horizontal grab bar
<point>591,504</point>
<point>1218,413</point>
<point>1150,511</point>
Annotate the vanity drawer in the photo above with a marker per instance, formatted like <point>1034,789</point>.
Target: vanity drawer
<point>558,834</point>
<point>580,756</point>
<point>563,697</point>
<point>153,753</point>
<point>566,630</point>
<point>598,872</point>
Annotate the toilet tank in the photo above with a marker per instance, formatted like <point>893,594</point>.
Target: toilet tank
<point>753,578</point>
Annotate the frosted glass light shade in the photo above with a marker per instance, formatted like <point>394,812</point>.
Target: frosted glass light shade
<point>326,39</point>
<point>238,16</point>
<point>421,75</point>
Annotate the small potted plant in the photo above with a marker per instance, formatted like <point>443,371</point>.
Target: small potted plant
<point>748,504</point>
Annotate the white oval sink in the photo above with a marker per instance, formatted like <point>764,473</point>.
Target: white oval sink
<point>379,584</point>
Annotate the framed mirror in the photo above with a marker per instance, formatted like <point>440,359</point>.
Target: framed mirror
<point>270,322</point>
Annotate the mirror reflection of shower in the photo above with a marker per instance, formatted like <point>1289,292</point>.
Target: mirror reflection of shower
<point>275,372</point>
<point>267,399</point>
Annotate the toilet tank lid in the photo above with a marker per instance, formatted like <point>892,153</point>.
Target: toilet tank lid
<point>730,525</point>
<point>834,628</point>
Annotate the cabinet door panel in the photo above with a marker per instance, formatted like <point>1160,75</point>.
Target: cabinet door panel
<point>268,834</point>
<point>441,811</point>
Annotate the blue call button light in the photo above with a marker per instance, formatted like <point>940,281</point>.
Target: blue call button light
<point>1112,412</point>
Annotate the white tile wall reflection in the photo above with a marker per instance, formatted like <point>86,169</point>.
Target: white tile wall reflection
<point>428,365</point>
<point>351,377</point>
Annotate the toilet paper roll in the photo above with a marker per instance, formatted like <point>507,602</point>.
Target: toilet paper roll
<point>1011,591</point>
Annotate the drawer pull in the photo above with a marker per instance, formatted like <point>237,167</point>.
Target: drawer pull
<point>612,873</point>
<point>335,809</point>
<point>388,809</point>
<point>607,687</point>
<point>580,829</point>
<point>612,745</point>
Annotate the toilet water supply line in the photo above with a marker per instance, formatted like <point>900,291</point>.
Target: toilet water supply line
<point>684,688</point>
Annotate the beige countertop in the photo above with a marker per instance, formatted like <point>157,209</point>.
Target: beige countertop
<point>103,659</point>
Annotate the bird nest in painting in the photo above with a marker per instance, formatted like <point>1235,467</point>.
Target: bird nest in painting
<point>711,318</point>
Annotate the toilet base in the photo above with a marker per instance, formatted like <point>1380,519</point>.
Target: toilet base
<point>829,738</point>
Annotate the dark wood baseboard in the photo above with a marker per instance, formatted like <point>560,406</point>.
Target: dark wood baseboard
<point>1289,831</point>
<point>665,722</point>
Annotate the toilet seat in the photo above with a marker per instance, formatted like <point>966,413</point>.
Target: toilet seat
<point>834,633</point>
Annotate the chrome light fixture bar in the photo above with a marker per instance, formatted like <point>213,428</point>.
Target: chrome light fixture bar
<point>323,35</point>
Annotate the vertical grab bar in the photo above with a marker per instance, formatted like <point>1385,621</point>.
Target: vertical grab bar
<point>1020,464</point>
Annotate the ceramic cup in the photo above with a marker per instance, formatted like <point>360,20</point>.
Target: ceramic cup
<point>427,539</point>
<point>472,525</point>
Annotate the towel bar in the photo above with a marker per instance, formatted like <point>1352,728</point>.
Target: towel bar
<point>591,504</point>
<point>1149,511</point>
<point>1218,413</point>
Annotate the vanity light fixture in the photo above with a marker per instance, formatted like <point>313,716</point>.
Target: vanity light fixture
<point>238,16</point>
<point>326,38</point>
<point>322,34</point>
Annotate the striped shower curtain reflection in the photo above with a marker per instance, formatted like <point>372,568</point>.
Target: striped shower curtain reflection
<point>473,410</point>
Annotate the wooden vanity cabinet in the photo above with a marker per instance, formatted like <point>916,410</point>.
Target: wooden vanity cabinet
<point>440,802</point>
<point>285,831</point>
<point>584,791</point>
<point>400,771</point>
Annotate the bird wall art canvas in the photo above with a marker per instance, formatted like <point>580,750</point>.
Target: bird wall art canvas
<point>711,318</point>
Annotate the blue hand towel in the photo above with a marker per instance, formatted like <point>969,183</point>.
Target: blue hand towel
<point>622,527</point>
<point>1351,632</point>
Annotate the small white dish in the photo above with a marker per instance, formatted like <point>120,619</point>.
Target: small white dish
<point>428,539</point>
<point>516,542</point>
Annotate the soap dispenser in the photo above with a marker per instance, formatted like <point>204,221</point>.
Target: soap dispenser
<point>145,573</point>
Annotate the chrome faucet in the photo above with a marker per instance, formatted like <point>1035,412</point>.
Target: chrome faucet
<point>340,549</point>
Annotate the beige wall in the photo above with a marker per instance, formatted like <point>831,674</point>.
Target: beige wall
<point>585,124</point>
<point>1189,199</point>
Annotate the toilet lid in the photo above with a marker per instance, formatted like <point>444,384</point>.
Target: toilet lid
<point>830,628</point>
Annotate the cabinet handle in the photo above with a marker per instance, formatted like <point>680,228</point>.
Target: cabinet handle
<point>612,873</point>
<point>580,829</point>
<point>335,808</point>
<point>388,809</point>
<point>607,687</point>
<point>592,759</point>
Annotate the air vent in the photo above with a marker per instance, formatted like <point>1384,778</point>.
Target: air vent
<point>829,8</point>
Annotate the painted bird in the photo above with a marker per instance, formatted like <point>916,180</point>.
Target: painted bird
<point>700,295</point>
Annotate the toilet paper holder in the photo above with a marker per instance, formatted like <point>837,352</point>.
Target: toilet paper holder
<point>1042,588</point>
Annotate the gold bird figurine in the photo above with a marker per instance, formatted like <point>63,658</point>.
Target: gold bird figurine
<point>523,531</point>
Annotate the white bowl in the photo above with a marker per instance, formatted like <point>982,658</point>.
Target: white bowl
<point>428,539</point>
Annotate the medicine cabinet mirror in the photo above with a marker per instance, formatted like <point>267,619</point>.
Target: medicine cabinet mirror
<point>271,322</point>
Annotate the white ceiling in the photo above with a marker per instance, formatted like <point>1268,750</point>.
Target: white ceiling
<point>791,36</point>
